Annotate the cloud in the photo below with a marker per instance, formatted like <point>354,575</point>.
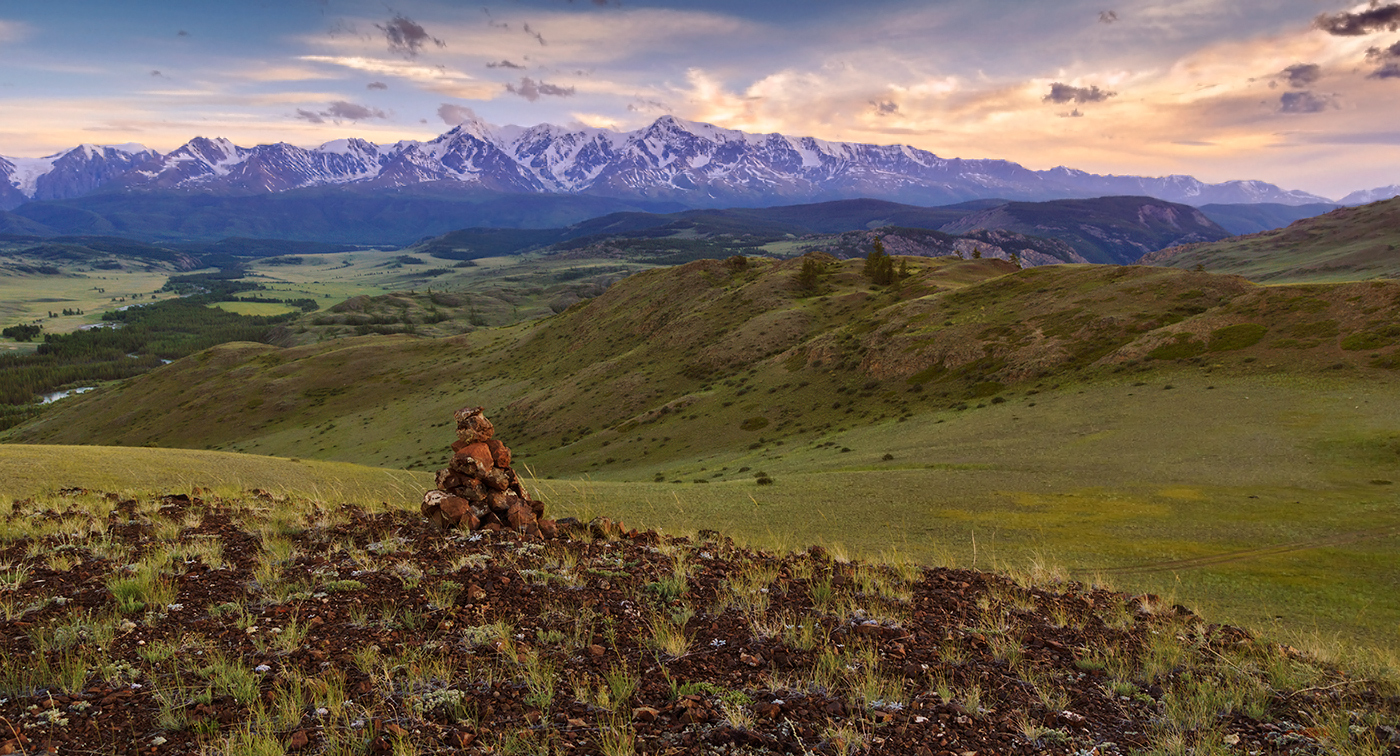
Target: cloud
<point>406,37</point>
<point>1108,16</point>
<point>1374,19</point>
<point>182,33</point>
<point>1301,75</point>
<point>647,106</point>
<point>352,112</point>
<point>376,85</point>
<point>1062,93</point>
<point>885,107</point>
<point>1305,102</point>
<point>1389,60</point>
<point>439,79</point>
<point>538,36</point>
<point>504,64</point>
<point>156,73</point>
<point>455,114</point>
<point>533,90</point>
<point>12,31</point>
<point>341,110</point>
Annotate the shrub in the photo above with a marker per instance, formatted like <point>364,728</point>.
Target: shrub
<point>1230,338</point>
<point>754,423</point>
<point>1184,347</point>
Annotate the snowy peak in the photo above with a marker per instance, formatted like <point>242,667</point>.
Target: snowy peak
<point>1367,196</point>
<point>692,163</point>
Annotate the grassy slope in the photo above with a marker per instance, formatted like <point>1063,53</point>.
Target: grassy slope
<point>1344,245</point>
<point>27,471</point>
<point>1076,459</point>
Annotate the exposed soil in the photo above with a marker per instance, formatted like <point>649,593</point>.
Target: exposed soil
<point>343,630</point>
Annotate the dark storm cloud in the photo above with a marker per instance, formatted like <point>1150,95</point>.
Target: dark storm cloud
<point>341,110</point>
<point>455,114</point>
<point>884,107</point>
<point>1108,16</point>
<point>504,64</point>
<point>1301,75</point>
<point>1389,58</point>
<point>1304,102</point>
<point>1374,19</point>
<point>406,37</point>
<point>376,85</point>
<point>533,90</point>
<point>1063,93</point>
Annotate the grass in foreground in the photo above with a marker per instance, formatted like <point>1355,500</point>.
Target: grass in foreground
<point>257,623</point>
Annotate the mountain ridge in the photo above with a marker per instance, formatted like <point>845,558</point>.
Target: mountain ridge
<point>672,160</point>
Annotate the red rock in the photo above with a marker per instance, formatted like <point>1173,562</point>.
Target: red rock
<point>538,508</point>
<point>471,490</point>
<point>498,501</point>
<point>496,478</point>
<point>645,714</point>
<point>454,508</point>
<point>432,502</point>
<point>494,527</point>
<point>549,528</point>
<point>520,515</point>
<point>472,425</point>
<point>298,741</point>
<point>465,739</point>
<point>482,454</point>
<point>446,480</point>
<point>597,650</point>
<point>465,464</point>
<point>500,452</point>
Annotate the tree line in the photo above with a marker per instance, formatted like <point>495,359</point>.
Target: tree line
<point>136,340</point>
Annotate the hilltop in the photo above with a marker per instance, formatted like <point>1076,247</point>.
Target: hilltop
<point>1351,243</point>
<point>248,621</point>
<point>687,338</point>
<point>1209,435</point>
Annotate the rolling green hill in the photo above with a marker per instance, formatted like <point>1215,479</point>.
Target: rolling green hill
<point>1183,432</point>
<point>954,332</point>
<point>1353,243</point>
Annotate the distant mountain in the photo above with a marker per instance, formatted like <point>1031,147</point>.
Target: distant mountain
<point>356,214</point>
<point>1349,244</point>
<point>1115,230</point>
<point>1265,216</point>
<point>1105,230</point>
<point>683,162</point>
<point>1368,196</point>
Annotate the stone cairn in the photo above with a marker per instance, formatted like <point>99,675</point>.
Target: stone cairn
<point>479,490</point>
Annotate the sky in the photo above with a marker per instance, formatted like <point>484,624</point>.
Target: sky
<point>1301,93</point>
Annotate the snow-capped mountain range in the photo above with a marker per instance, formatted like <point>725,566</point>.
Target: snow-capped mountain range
<point>695,164</point>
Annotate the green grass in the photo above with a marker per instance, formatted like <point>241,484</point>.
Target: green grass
<point>1350,244</point>
<point>27,471</point>
<point>1048,430</point>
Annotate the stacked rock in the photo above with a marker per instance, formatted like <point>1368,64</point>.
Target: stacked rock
<point>479,490</point>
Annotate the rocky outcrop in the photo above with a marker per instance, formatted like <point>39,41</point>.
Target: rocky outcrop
<point>478,490</point>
